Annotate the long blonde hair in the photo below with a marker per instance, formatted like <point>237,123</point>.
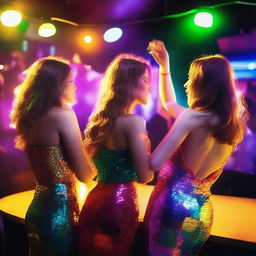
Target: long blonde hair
<point>116,93</point>
<point>212,87</point>
<point>40,91</point>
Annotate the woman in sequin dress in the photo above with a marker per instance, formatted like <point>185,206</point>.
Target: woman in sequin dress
<point>49,133</point>
<point>118,143</point>
<point>192,154</point>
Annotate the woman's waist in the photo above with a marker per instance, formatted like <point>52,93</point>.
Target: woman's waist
<point>116,187</point>
<point>109,176</point>
<point>109,191</point>
<point>56,188</point>
<point>182,187</point>
<point>116,184</point>
<point>58,177</point>
<point>184,180</point>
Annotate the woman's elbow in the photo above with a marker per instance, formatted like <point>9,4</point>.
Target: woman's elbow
<point>82,177</point>
<point>146,178</point>
<point>85,175</point>
<point>155,164</point>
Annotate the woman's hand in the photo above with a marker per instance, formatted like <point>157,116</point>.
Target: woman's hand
<point>157,49</point>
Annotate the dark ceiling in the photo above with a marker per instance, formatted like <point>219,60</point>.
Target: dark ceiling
<point>238,19</point>
<point>120,11</point>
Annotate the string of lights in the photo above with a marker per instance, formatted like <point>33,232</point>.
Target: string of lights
<point>181,14</point>
<point>46,28</point>
<point>169,16</point>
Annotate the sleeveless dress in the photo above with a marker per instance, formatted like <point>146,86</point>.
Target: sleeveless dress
<point>179,214</point>
<point>52,218</point>
<point>109,218</point>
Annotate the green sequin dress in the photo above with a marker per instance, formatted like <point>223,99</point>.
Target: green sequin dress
<point>52,217</point>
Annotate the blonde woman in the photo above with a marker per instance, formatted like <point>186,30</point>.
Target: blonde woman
<point>192,154</point>
<point>118,142</point>
<point>49,133</point>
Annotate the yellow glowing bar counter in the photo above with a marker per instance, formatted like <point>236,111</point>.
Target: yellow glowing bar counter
<point>234,217</point>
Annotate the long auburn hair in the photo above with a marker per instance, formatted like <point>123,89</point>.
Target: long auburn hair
<point>116,93</point>
<point>212,88</point>
<point>39,92</point>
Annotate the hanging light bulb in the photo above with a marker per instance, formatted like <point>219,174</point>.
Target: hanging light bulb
<point>11,18</point>
<point>203,19</point>
<point>88,39</point>
<point>47,30</point>
<point>113,34</point>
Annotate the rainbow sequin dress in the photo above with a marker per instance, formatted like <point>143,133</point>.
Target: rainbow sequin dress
<point>52,217</point>
<point>179,214</point>
<point>109,218</point>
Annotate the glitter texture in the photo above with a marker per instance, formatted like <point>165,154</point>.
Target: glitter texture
<point>109,218</point>
<point>52,217</point>
<point>180,212</point>
<point>114,166</point>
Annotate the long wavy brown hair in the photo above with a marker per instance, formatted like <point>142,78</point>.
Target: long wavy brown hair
<point>116,94</point>
<point>213,89</point>
<point>40,91</point>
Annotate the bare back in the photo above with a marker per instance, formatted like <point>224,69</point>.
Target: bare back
<point>203,154</point>
<point>118,139</point>
<point>46,131</point>
<point>59,127</point>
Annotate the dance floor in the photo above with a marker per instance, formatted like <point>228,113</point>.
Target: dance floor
<point>234,217</point>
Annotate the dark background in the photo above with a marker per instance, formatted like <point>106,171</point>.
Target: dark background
<point>233,35</point>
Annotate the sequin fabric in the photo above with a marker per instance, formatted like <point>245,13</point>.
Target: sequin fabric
<point>109,218</point>
<point>114,166</point>
<point>180,212</point>
<point>52,217</point>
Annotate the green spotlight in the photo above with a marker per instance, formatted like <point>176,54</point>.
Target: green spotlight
<point>23,26</point>
<point>203,19</point>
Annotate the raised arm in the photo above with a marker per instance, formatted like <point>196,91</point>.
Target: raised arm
<point>185,123</point>
<point>166,90</point>
<point>70,134</point>
<point>139,146</point>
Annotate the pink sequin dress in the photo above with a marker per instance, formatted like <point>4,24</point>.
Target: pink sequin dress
<point>109,218</point>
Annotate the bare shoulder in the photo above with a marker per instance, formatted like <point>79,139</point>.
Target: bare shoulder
<point>60,113</point>
<point>131,122</point>
<point>61,116</point>
<point>195,119</point>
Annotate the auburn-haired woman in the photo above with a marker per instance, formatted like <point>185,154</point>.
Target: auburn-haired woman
<point>118,143</point>
<point>192,154</point>
<point>49,133</point>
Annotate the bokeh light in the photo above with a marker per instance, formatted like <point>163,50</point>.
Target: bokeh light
<point>11,18</point>
<point>87,39</point>
<point>52,50</point>
<point>47,30</point>
<point>113,34</point>
<point>203,19</point>
<point>24,45</point>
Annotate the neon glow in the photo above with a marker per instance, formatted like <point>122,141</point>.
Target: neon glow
<point>203,19</point>
<point>244,68</point>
